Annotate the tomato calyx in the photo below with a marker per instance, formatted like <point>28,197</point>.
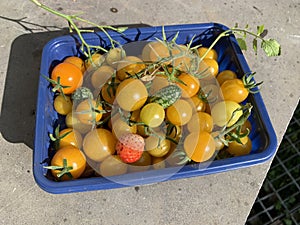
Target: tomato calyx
<point>233,133</point>
<point>56,137</point>
<point>237,135</point>
<point>207,96</point>
<point>64,169</point>
<point>226,135</point>
<point>112,86</point>
<point>57,85</point>
<point>250,84</point>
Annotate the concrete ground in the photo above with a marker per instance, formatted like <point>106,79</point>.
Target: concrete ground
<point>224,198</point>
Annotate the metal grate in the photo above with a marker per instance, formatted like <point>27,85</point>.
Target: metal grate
<point>279,199</point>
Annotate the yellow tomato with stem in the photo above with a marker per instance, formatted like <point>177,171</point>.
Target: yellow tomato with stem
<point>155,51</point>
<point>238,149</point>
<point>156,147</point>
<point>209,68</point>
<point>129,67</point>
<point>72,121</point>
<point>89,112</point>
<point>152,114</point>
<point>69,136</point>
<point>226,113</point>
<point>198,104</point>
<point>211,54</point>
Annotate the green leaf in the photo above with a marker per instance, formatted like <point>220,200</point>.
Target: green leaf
<point>271,47</point>
<point>260,29</point>
<point>242,43</point>
<point>254,45</point>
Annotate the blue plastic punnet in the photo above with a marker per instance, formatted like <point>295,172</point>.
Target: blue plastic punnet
<point>230,57</point>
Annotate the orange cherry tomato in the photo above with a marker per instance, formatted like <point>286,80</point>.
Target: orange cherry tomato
<point>234,90</point>
<point>108,91</point>
<point>72,121</point>
<point>198,104</point>
<point>68,75</point>
<point>199,146</point>
<point>190,85</point>
<point>225,75</point>
<point>76,163</point>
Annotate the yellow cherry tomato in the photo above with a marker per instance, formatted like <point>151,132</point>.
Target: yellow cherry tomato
<point>70,137</point>
<point>99,144</point>
<point>199,146</point>
<point>131,94</point>
<point>211,54</point>
<point>180,112</point>
<point>238,149</point>
<point>63,104</point>
<point>200,121</point>
<point>89,112</point>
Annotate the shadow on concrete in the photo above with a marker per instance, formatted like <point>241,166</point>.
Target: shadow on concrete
<point>17,120</point>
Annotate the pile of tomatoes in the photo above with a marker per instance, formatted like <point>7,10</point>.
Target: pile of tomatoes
<point>166,106</point>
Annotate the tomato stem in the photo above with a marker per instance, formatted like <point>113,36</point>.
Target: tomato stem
<point>79,32</point>
<point>64,169</point>
<point>246,113</point>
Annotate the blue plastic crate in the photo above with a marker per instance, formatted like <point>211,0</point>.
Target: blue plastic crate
<point>229,57</point>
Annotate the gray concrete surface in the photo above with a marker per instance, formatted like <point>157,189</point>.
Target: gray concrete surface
<point>224,198</point>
